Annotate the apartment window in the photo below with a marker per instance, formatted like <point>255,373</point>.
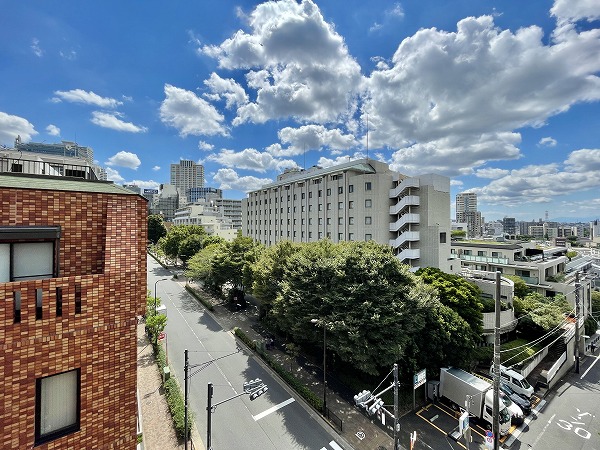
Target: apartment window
<point>340,205</point>
<point>340,190</point>
<point>302,235</point>
<point>341,221</point>
<point>368,203</point>
<point>368,237</point>
<point>350,188</point>
<point>303,221</point>
<point>495,254</point>
<point>340,237</point>
<point>310,234</point>
<point>350,236</point>
<point>320,221</point>
<point>328,206</point>
<point>310,195</point>
<point>57,405</point>
<point>303,208</point>
<point>328,235</point>
<point>442,238</point>
<point>368,220</point>
<point>303,196</point>
<point>320,192</point>
<point>480,253</point>
<point>28,253</point>
<point>289,210</point>
<point>310,220</point>
<point>294,234</point>
<point>320,206</point>
<point>350,220</point>
<point>295,197</point>
<point>328,191</point>
<point>350,204</point>
<point>368,186</point>
<point>320,235</point>
<point>310,207</point>
<point>294,221</point>
<point>329,221</point>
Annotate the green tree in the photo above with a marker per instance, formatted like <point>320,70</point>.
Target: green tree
<point>200,267</point>
<point>156,228</point>
<point>458,294</point>
<point>458,233</point>
<point>190,246</point>
<point>539,315</point>
<point>596,301</point>
<point>234,260</point>
<point>268,271</point>
<point>171,243</point>
<point>521,289</point>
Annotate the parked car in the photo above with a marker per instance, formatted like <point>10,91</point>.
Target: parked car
<point>516,413</point>
<point>515,380</point>
<point>523,403</point>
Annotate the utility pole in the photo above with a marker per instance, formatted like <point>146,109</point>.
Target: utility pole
<point>396,424</point>
<point>185,403</point>
<point>208,418</point>
<point>577,314</point>
<point>496,410</point>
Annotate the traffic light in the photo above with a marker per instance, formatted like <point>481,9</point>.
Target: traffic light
<point>376,406</point>
<point>362,397</point>
<point>252,384</point>
<point>258,391</point>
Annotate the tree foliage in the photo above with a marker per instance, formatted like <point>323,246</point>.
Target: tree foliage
<point>171,243</point>
<point>521,289</point>
<point>156,228</point>
<point>190,246</point>
<point>539,315</point>
<point>458,294</point>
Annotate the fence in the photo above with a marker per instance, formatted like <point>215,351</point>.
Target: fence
<point>329,414</point>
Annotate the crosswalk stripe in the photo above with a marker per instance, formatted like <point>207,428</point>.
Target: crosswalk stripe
<point>335,446</point>
<point>273,409</point>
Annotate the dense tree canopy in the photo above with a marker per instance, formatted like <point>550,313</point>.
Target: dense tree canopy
<point>458,294</point>
<point>521,289</point>
<point>539,315</point>
<point>156,228</point>
<point>171,243</point>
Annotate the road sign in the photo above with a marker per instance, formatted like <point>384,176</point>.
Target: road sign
<point>463,423</point>
<point>489,440</point>
<point>419,378</point>
<point>161,335</point>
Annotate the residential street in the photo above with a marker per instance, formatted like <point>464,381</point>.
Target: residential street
<point>276,420</point>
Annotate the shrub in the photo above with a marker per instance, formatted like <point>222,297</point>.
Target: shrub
<point>175,400</point>
<point>200,297</point>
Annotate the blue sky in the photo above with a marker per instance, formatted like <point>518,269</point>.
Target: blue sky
<point>501,96</point>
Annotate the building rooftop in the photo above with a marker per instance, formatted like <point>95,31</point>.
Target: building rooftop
<point>52,183</point>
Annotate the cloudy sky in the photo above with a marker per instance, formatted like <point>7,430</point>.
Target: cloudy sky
<point>501,96</point>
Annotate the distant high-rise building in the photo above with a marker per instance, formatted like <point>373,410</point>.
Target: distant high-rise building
<point>65,148</point>
<point>203,193</point>
<point>510,226</point>
<point>466,211</point>
<point>186,175</point>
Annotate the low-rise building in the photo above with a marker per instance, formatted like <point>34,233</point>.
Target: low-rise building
<point>72,283</point>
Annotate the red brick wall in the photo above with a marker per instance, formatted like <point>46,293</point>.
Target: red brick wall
<point>102,249</point>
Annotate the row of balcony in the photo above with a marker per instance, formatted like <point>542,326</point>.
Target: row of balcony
<point>404,220</point>
<point>408,200</point>
<point>409,236</point>
<point>404,184</point>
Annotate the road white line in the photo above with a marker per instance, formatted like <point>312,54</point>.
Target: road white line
<point>334,446</point>
<point>589,368</point>
<point>273,409</point>
<point>515,434</point>
<point>543,431</point>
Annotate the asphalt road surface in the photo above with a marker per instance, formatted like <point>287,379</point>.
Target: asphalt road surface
<point>276,420</point>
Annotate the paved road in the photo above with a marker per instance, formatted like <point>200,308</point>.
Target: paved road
<point>570,418</point>
<point>277,420</point>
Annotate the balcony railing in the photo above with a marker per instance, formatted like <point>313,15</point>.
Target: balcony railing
<point>58,169</point>
<point>484,259</point>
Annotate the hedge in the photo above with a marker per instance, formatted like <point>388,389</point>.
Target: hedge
<point>174,397</point>
<point>308,395</point>
<point>206,302</point>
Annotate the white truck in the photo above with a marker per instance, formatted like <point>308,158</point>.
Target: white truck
<point>456,384</point>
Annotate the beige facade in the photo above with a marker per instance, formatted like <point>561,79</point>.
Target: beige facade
<point>359,200</point>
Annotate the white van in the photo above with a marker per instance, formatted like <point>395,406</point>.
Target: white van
<point>515,380</point>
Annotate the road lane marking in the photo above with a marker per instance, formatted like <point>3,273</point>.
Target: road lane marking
<point>273,409</point>
<point>543,431</point>
<point>589,368</point>
<point>334,446</point>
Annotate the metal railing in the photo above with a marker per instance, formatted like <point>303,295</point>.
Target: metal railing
<point>58,169</point>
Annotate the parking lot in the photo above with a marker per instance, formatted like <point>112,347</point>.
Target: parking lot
<point>437,422</point>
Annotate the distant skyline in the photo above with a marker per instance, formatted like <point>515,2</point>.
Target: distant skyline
<point>503,97</point>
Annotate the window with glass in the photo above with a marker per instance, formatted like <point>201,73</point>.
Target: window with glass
<point>367,186</point>
<point>350,220</point>
<point>368,220</point>
<point>350,188</point>
<point>350,204</point>
<point>368,203</point>
<point>57,405</point>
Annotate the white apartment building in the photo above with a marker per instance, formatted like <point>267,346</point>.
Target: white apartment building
<point>358,200</point>
<point>208,216</point>
<point>466,211</point>
<point>544,271</point>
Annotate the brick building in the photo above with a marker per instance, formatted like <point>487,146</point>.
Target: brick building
<point>72,281</point>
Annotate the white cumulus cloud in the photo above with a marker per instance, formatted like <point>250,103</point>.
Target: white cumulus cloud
<point>202,145</point>
<point>190,114</point>
<point>114,176</point>
<point>124,159</point>
<point>250,159</point>
<point>547,142</point>
<point>109,120</point>
<point>229,179</point>
<point>13,126</point>
<point>311,137</point>
<point>53,130</point>
<point>85,97</point>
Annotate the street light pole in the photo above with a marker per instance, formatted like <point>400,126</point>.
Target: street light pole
<point>322,322</point>
<point>155,297</point>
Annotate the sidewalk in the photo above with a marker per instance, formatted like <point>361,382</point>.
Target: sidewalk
<point>357,429</point>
